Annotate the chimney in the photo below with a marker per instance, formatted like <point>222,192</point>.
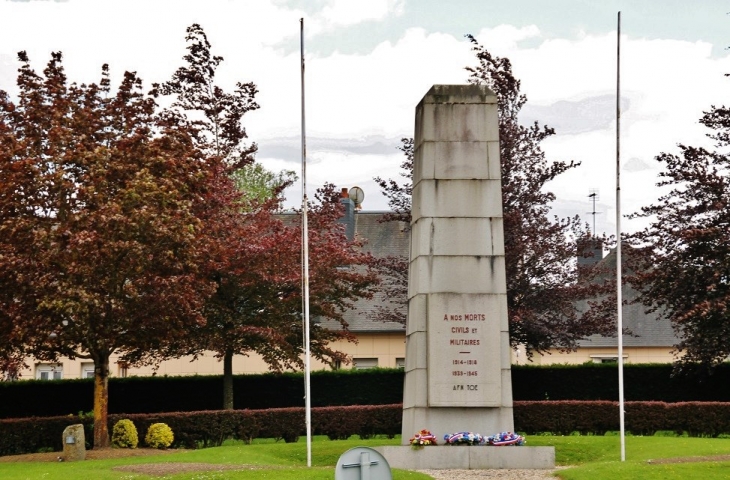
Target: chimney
<point>590,252</point>
<point>348,217</point>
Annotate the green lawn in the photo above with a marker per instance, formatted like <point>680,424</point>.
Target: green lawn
<point>590,458</point>
<point>598,458</point>
<point>286,462</point>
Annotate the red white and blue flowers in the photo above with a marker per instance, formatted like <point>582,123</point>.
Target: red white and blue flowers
<point>471,438</point>
<point>422,439</point>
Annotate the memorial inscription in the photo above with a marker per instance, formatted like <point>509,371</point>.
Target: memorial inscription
<point>461,373</point>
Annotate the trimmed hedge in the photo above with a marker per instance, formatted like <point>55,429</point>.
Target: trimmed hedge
<point>211,428</point>
<point>28,398</point>
<point>650,382</point>
<point>642,382</point>
<point>641,418</point>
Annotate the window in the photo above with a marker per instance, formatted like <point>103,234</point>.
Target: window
<point>607,358</point>
<point>87,370</point>
<point>400,363</point>
<point>49,371</point>
<point>364,363</point>
<point>123,366</point>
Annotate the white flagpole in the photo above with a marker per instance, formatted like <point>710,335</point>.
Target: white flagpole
<point>619,299</point>
<point>305,269</point>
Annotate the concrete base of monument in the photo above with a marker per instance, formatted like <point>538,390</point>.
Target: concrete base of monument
<point>460,457</point>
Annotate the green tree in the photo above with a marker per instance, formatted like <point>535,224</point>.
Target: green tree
<point>259,185</point>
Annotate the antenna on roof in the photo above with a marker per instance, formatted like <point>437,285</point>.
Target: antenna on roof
<point>593,195</point>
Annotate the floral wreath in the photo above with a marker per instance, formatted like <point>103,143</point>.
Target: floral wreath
<point>497,440</point>
<point>422,439</point>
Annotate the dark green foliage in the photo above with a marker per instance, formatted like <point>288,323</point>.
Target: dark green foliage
<point>26,398</point>
<point>30,435</point>
<point>642,418</point>
<point>194,393</point>
<point>352,387</point>
<point>642,382</point>
<point>211,428</point>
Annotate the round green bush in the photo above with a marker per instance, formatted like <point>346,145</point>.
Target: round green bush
<point>124,434</point>
<point>159,435</point>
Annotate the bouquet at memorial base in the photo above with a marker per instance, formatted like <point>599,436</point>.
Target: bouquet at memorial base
<point>422,439</point>
<point>464,438</point>
<point>506,439</point>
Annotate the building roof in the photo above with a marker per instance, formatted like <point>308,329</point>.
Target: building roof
<point>647,329</point>
<point>382,239</point>
<point>392,238</point>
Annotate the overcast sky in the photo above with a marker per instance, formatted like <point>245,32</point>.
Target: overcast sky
<point>369,62</point>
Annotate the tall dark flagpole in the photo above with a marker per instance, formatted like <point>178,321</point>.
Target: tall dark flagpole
<point>619,299</point>
<point>305,268</point>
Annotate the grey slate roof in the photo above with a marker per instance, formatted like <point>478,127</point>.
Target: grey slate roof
<point>648,329</point>
<point>382,239</point>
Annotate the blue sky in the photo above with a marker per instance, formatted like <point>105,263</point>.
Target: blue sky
<point>369,62</point>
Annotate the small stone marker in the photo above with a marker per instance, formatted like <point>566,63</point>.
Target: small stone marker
<point>362,463</point>
<point>74,443</point>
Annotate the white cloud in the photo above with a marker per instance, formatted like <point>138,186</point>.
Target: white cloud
<point>668,83</point>
<point>347,12</point>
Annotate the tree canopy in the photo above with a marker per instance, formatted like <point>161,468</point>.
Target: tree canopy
<point>99,237</point>
<point>683,262</point>
<point>254,256</point>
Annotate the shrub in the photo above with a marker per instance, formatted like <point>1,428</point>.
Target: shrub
<point>159,435</point>
<point>124,434</point>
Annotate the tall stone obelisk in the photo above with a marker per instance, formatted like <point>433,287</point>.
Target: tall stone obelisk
<point>457,375</point>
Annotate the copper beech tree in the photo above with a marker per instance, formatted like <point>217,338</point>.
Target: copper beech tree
<point>254,258</point>
<point>100,241</point>
<point>683,257</point>
<point>540,252</point>
<point>257,305</point>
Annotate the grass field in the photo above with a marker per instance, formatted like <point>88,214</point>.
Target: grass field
<point>590,458</point>
<point>598,457</point>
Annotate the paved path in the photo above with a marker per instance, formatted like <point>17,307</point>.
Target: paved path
<point>503,474</point>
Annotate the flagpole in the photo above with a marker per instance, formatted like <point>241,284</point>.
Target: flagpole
<point>305,268</point>
<point>619,299</point>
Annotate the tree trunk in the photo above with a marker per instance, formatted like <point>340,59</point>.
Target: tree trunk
<point>101,402</point>
<point>228,380</point>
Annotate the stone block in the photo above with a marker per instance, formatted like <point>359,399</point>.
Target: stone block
<point>74,443</point>
<point>468,93</point>
<point>506,357</point>
<point>457,198</point>
<point>456,160</point>
<point>507,388</point>
<point>468,457</point>
<point>460,122</point>
<point>468,274</point>
<point>417,314</point>
<point>416,343</point>
<point>415,389</point>
<point>457,236</point>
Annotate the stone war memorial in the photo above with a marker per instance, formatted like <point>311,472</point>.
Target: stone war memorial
<point>457,374</point>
